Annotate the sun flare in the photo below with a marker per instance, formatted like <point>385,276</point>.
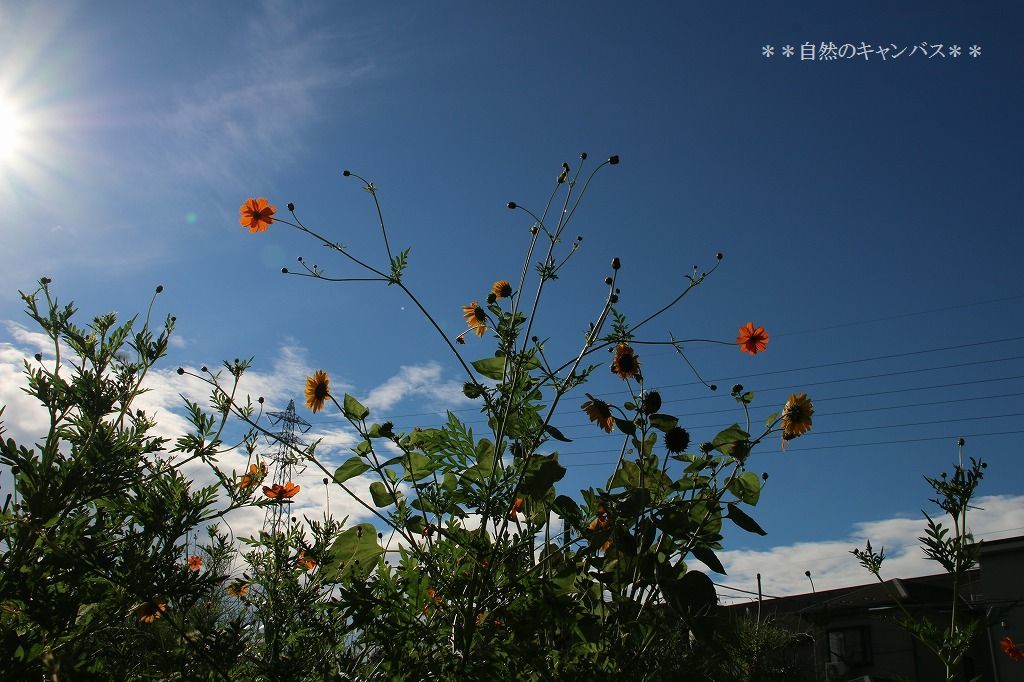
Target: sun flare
<point>11,129</point>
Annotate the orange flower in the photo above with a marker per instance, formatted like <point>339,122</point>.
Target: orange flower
<point>317,390</point>
<point>308,562</point>
<point>1011,649</point>
<point>256,214</point>
<point>602,522</point>
<point>280,493</point>
<point>516,506</point>
<point>151,610</point>
<point>195,562</point>
<point>796,416</point>
<point>237,588</point>
<point>256,474</point>
<point>626,363</point>
<point>476,318</point>
<point>599,413</point>
<point>752,339</point>
<point>501,289</point>
<point>435,597</point>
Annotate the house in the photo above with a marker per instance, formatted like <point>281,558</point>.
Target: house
<point>851,633</point>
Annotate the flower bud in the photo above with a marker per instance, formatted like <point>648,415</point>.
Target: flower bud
<point>737,388</point>
<point>764,476</point>
<point>180,371</point>
<point>203,369</point>
<point>284,271</point>
<point>260,400</point>
<point>346,173</point>
<point>159,288</point>
<point>608,281</point>
<point>472,391</point>
<point>614,298</point>
<point>326,480</point>
<point>583,156</point>
<point>38,357</point>
<point>491,298</point>
<point>512,204</point>
<point>713,387</point>
<point>291,206</point>
<point>45,280</point>
<point>616,263</point>
<point>613,159</point>
<point>719,256</point>
<point>961,442</point>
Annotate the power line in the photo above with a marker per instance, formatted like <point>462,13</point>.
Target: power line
<point>781,371</point>
<point>819,447</point>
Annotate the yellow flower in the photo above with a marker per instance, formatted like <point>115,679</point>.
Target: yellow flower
<point>237,588</point>
<point>501,289</point>
<point>151,610</point>
<point>626,363</point>
<point>317,390</point>
<point>476,318</point>
<point>796,416</point>
<point>599,413</point>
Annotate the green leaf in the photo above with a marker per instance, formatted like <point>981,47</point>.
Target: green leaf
<point>352,467</point>
<point>492,368</point>
<point>771,420</point>
<point>626,426</point>
<point>418,466</point>
<point>567,508</point>
<point>627,476</point>
<point>540,475</point>
<point>353,555</point>
<point>354,409</point>
<point>664,422</point>
<point>727,440</point>
<point>708,558</point>
<point>746,487</point>
<point>741,519</point>
<point>381,496</point>
<point>363,448</point>
<point>556,434</point>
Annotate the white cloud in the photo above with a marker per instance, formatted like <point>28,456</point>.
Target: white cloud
<point>417,381</point>
<point>831,564</point>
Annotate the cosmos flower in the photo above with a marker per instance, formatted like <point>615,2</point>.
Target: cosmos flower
<point>516,507</point>
<point>501,289</point>
<point>626,363</point>
<point>317,390</point>
<point>256,474</point>
<point>256,214</point>
<point>279,493</point>
<point>151,610</point>
<point>796,416</point>
<point>195,562</point>
<point>307,562</point>
<point>752,339</point>
<point>476,318</point>
<point>599,413</point>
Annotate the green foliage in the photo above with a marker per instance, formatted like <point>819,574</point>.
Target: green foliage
<point>956,552</point>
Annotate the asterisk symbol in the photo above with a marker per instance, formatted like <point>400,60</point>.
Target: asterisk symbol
<point>788,51</point>
<point>767,51</point>
<point>975,51</point>
<point>955,51</point>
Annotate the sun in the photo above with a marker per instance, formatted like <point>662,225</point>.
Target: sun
<point>11,132</point>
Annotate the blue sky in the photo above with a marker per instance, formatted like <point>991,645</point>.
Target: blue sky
<point>867,210</point>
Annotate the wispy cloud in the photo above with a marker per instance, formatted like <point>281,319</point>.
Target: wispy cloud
<point>417,381</point>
